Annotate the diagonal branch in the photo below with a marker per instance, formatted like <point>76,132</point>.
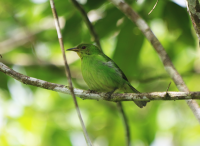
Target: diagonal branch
<point>67,71</point>
<point>193,7</point>
<point>88,23</point>
<point>153,7</point>
<point>98,96</point>
<point>169,67</point>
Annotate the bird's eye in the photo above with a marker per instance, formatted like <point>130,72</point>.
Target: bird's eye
<point>83,47</point>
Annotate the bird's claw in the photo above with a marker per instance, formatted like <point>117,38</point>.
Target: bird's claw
<point>108,95</point>
<point>91,91</point>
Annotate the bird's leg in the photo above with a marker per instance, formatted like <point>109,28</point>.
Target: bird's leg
<point>108,94</point>
<point>91,91</point>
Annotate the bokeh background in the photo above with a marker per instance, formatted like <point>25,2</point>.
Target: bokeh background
<point>31,116</point>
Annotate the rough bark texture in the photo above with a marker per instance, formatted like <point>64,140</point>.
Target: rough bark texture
<point>193,7</point>
<point>116,97</point>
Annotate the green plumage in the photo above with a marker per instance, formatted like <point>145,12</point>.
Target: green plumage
<point>101,73</point>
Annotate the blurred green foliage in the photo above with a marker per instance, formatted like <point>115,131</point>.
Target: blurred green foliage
<point>30,116</point>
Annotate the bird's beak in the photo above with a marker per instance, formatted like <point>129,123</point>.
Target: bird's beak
<point>73,49</point>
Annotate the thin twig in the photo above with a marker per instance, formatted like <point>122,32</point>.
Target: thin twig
<point>127,129</point>
<point>153,7</point>
<point>87,21</point>
<point>169,67</point>
<point>67,71</point>
<point>168,86</point>
<point>115,97</point>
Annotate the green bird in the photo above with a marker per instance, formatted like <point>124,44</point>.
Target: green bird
<point>101,73</point>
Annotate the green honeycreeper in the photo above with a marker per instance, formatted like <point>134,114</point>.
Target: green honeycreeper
<point>101,73</point>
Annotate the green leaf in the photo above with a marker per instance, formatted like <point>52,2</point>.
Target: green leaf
<point>91,4</point>
<point>176,18</point>
<point>129,43</point>
<point>72,29</point>
<point>107,24</point>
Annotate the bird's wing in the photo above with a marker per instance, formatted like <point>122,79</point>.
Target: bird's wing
<point>138,103</point>
<point>116,66</point>
<point>121,72</point>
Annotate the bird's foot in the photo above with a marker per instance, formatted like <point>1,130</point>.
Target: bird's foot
<point>108,95</point>
<point>91,91</point>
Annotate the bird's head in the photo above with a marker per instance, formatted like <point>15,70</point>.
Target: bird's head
<point>85,49</point>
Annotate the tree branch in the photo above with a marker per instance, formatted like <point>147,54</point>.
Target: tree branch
<point>88,23</point>
<point>84,94</point>
<point>193,8</point>
<point>67,71</point>
<point>169,67</point>
<point>153,7</point>
<point>125,120</point>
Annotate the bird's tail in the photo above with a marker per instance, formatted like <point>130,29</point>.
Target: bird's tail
<point>140,104</point>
